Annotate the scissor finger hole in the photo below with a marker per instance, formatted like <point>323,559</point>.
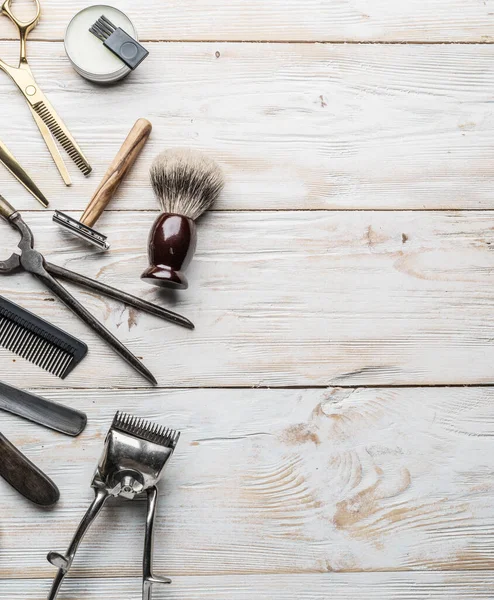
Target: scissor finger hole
<point>24,11</point>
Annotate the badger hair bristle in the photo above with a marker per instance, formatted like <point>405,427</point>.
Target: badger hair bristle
<point>185,181</point>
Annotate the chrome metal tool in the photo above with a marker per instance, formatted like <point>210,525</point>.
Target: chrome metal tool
<point>135,454</point>
<point>49,123</point>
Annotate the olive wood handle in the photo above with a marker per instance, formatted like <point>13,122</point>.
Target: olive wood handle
<point>116,172</point>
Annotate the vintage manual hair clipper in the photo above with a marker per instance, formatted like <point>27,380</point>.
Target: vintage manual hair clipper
<point>135,454</point>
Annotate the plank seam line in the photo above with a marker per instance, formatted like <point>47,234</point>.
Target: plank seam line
<point>457,572</point>
<point>287,41</point>
<point>297,210</point>
<point>272,387</point>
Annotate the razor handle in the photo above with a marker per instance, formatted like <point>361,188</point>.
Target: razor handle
<point>117,171</point>
<point>25,476</point>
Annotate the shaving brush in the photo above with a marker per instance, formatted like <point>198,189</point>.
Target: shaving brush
<point>186,183</point>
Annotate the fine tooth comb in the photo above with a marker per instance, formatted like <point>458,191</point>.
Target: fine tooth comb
<point>135,454</point>
<point>119,42</point>
<point>39,342</point>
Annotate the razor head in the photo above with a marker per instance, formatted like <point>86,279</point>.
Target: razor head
<point>80,230</point>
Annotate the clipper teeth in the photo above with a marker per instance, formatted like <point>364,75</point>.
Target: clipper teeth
<point>146,430</point>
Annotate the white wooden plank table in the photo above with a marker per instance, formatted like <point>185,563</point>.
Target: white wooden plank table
<point>336,397</point>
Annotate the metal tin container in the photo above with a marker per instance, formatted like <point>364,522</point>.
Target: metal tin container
<point>88,55</point>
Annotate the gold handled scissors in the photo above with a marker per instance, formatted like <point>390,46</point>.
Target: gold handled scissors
<point>47,120</point>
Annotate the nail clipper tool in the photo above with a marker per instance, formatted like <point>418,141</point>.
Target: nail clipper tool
<point>10,163</point>
<point>134,456</point>
<point>33,262</point>
<point>17,469</point>
<point>47,120</point>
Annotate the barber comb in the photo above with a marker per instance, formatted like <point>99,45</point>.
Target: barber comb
<point>135,454</point>
<point>38,341</point>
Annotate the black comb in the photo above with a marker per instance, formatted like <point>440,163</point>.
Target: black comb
<point>119,42</point>
<point>146,430</point>
<point>38,341</point>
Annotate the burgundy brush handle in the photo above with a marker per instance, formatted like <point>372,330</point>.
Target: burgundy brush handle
<point>171,246</point>
<point>25,476</point>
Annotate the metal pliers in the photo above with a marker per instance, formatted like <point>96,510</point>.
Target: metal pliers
<point>33,262</point>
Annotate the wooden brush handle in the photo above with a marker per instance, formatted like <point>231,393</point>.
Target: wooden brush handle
<point>116,172</point>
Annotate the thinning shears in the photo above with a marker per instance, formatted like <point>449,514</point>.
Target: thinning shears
<point>47,120</point>
<point>33,262</point>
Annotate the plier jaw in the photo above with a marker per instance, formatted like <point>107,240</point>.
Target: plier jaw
<point>11,265</point>
<point>14,263</point>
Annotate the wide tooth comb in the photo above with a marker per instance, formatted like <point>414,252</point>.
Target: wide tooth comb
<point>63,137</point>
<point>146,430</point>
<point>38,341</point>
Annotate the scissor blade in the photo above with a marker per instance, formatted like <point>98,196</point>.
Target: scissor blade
<point>10,162</point>
<point>52,147</point>
<point>55,124</point>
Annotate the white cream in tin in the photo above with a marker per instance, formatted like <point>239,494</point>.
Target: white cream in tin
<point>87,53</point>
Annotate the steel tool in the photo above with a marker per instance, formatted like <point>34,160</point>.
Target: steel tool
<point>33,262</point>
<point>11,163</point>
<point>114,176</point>
<point>135,454</point>
<point>16,468</point>
<point>47,120</point>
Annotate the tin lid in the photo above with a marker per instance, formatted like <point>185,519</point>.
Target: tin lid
<point>87,54</point>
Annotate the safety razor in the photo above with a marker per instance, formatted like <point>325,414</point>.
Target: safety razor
<point>123,161</point>
<point>135,454</point>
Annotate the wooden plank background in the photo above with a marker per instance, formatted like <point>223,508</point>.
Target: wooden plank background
<point>335,398</point>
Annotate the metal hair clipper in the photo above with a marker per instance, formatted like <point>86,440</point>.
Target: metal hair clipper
<point>135,454</point>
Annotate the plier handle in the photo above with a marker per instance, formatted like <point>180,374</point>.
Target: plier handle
<point>32,261</point>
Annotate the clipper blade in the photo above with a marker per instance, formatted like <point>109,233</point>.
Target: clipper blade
<point>146,430</point>
<point>82,231</point>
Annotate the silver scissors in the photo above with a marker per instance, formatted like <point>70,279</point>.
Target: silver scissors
<point>47,120</point>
